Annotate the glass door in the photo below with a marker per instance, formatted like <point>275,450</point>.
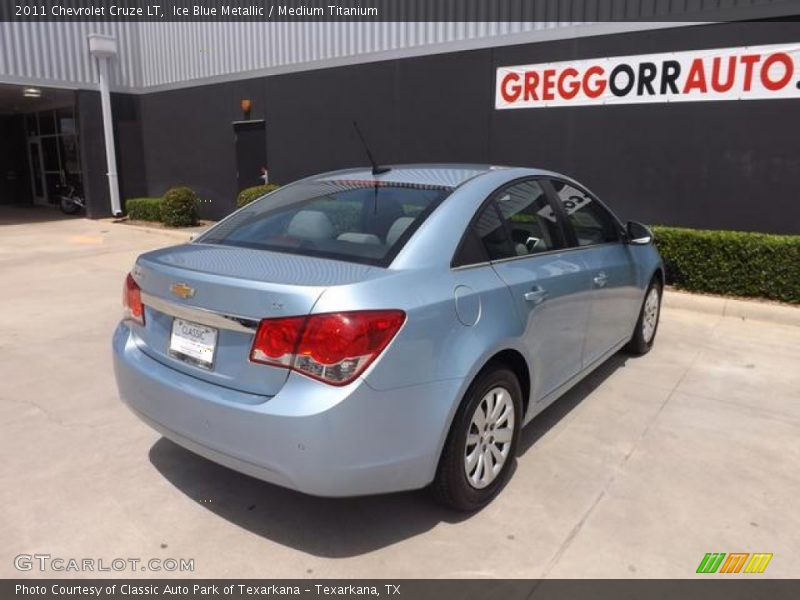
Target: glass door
<point>53,154</point>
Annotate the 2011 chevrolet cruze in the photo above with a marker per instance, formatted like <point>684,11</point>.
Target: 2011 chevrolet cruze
<point>356,333</point>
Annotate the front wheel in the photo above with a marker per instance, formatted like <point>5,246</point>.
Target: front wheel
<point>647,325</point>
<point>481,446</point>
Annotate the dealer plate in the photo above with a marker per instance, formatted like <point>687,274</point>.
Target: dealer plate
<point>193,342</point>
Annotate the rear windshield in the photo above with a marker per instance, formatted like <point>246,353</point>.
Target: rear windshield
<point>357,221</point>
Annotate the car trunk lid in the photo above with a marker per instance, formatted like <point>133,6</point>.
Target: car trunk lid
<point>229,290</point>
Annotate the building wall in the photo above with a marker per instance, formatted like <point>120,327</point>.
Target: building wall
<point>15,182</point>
<point>158,55</point>
<point>213,50</point>
<point>702,164</point>
<point>718,165</point>
<point>188,139</point>
<point>93,158</point>
<point>170,54</point>
<point>725,164</point>
<point>57,54</point>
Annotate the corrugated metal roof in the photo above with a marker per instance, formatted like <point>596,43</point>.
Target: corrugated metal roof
<point>158,55</point>
<point>59,53</point>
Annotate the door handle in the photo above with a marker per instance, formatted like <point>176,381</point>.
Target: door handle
<point>600,279</point>
<point>537,295</point>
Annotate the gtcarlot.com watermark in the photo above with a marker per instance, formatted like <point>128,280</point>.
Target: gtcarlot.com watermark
<point>47,563</point>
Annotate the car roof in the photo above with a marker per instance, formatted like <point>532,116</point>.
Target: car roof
<point>434,174</point>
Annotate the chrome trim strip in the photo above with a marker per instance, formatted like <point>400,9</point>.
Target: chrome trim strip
<point>201,315</point>
<point>545,253</point>
<point>485,263</point>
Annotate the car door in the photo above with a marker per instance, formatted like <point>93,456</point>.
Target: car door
<point>598,238</point>
<point>550,286</point>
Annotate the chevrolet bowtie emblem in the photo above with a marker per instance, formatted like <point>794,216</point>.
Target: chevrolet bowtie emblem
<point>182,290</point>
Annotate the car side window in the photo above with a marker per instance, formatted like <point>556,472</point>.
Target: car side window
<point>517,221</point>
<point>591,221</point>
<point>491,231</point>
<point>529,218</point>
<point>471,250</point>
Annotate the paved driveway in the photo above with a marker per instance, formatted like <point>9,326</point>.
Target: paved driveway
<point>638,472</point>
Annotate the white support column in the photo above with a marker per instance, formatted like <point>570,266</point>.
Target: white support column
<point>104,47</point>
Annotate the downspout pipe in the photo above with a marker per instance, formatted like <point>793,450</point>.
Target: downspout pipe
<point>103,48</point>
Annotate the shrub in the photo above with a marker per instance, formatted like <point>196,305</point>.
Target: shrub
<point>143,209</point>
<point>247,195</point>
<point>732,262</point>
<point>179,207</point>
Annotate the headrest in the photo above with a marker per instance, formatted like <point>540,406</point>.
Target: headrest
<point>397,229</point>
<point>360,238</point>
<point>310,225</point>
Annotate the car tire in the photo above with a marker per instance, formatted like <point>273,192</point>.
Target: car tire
<point>460,483</point>
<point>649,316</point>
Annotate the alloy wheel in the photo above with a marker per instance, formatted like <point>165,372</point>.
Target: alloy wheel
<point>650,317</point>
<point>489,438</point>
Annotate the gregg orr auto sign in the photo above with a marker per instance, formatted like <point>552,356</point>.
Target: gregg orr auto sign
<point>748,73</point>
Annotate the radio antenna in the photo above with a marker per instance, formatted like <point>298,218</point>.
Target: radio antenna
<point>376,169</point>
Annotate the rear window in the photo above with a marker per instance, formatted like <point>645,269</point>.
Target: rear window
<point>357,221</point>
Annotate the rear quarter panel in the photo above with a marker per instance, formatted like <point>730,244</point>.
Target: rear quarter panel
<point>438,340</point>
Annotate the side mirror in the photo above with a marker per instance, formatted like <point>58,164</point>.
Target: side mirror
<point>638,234</point>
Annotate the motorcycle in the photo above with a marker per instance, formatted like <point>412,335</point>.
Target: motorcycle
<point>71,199</point>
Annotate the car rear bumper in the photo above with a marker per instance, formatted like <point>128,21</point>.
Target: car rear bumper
<point>312,437</point>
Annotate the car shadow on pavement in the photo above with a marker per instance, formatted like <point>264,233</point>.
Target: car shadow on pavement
<point>549,417</point>
<point>332,527</point>
<point>326,527</point>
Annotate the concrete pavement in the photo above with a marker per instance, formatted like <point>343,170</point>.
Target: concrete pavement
<point>638,472</point>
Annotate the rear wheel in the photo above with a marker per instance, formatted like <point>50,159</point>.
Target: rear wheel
<point>480,449</point>
<point>647,325</point>
<point>68,207</point>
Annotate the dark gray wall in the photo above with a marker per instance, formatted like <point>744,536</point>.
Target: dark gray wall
<point>188,140</point>
<point>15,178</point>
<point>702,164</point>
<point>93,157</point>
<point>128,144</point>
<point>718,165</point>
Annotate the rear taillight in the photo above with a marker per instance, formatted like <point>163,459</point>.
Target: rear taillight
<point>333,347</point>
<point>132,301</point>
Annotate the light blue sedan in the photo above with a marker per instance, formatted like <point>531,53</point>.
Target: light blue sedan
<point>362,331</point>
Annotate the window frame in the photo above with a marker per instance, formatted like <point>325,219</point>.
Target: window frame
<point>566,225</point>
<point>491,199</point>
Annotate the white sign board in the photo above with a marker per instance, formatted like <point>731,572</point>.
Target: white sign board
<point>746,73</point>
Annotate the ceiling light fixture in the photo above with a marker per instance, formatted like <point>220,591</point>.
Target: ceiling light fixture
<point>31,92</point>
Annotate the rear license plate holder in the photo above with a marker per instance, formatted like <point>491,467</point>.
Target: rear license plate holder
<point>193,343</point>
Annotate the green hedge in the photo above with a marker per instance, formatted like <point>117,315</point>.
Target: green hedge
<point>247,195</point>
<point>143,209</point>
<point>732,262</point>
<point>179,207</point>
